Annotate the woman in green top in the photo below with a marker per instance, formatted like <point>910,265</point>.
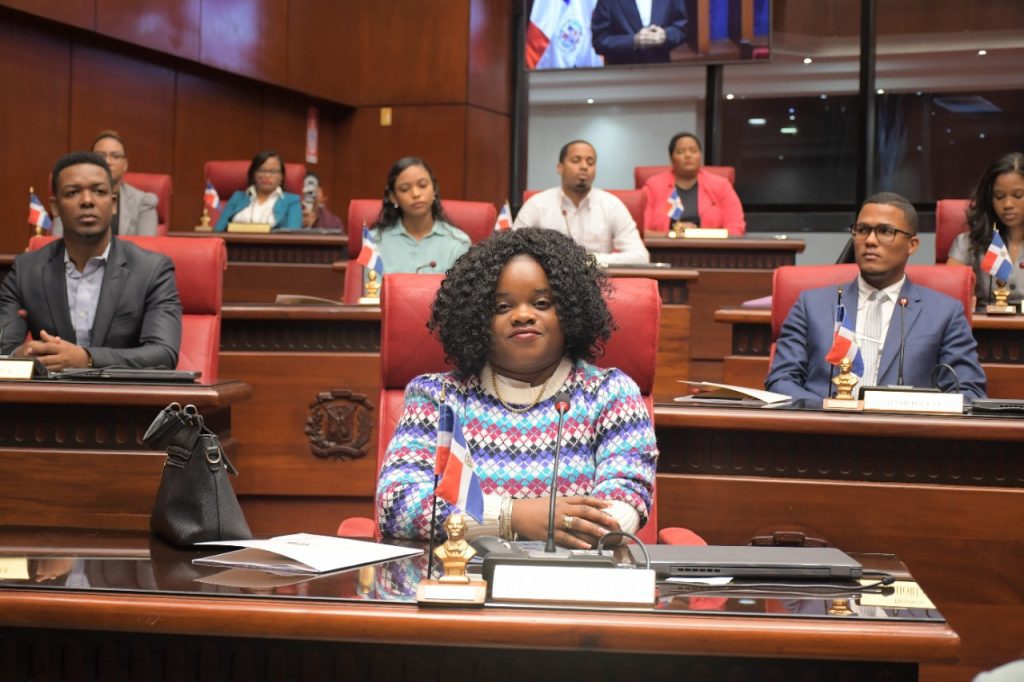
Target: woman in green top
<point>412,231</point>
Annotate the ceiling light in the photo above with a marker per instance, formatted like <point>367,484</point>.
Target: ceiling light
<point>982,53</point>
<point>789,130</point>
<point>824,96</point>
<point>730,96</point>
<point>757,121</point>
<point>880,91</point>
<point>590,100</point>
<point>807,60</point>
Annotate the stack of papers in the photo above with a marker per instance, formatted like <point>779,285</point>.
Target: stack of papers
<point>303,553</point>
<point>727,393</point>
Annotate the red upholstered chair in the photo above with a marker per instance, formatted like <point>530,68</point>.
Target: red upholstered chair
<point>475,218</point>
<point>950,220</point>
<point>160,185</point>
<point>408,349</point>
<point>789,280</point>
<point>634,199</point>
<point>199,266</point>
<point>228,177</point>
<point>641,174</point>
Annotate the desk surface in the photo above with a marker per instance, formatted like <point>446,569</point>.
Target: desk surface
<point>135,583</point>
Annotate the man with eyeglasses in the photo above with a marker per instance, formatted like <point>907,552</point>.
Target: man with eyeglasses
<point>935,329</point>
<point>134,209</point>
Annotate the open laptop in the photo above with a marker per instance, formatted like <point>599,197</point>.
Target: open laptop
<point>765,563</point>
<point>128,374</point>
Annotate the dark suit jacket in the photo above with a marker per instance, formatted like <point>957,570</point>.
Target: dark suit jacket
<point>935,328</point>
<point>615,22</point>
<point>138,317</point>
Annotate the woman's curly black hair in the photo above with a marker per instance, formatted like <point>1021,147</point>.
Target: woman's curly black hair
<point>981,215</point>
<point>463,310</point>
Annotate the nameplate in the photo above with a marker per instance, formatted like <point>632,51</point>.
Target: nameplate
<point>904,594</point>
<point>705,233</point>
<point>913,401</point>
<point>14,568</point>
<point>249,228</point>
<point>575,585</point>
<point>438,593</point>
<point>16,369</point>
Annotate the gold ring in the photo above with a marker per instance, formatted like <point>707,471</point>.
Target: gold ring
<point>567,521</point>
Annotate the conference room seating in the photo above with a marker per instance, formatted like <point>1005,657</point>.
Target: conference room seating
<point>789,280</point>
<point>160,185</point>
<point>641,174</point>
<point>634,199</point>
<point>950,220</point>
<point>407,349</point>
<point>199,266</point>
<point>228,177</point>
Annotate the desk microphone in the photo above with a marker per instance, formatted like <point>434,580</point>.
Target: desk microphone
<point>432,264</point>
<point>903,341</point>
<point>561,407</point>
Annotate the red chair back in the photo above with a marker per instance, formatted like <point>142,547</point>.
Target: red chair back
<point>199,266</point>
<point>475,218</point>
<point>641,174</point>
<point>789,280</point>
<point>634,199</point>
<point>160,185</point>
<point>950,220</point>
<point>407,349</point>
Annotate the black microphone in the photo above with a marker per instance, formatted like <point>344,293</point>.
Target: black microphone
<point>561,406</point>
<point>903,342</point>
<point>432,264</point>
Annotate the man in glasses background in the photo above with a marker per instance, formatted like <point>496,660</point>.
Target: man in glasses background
<point>134,209</point>
<point>936,331</point>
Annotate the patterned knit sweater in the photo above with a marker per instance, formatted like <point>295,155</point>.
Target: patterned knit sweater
<point>608,447</point>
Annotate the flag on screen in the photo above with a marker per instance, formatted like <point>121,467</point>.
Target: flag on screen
<point>504,218</point>
<point>996,261</point>
<point>37,215</point>
<point>210,196</point>
<point>460,486</point>
<point>675,205</point>
<point>559,35</point>
<point>369,256</point>
<point>445,426</point>
<point>844,343</point>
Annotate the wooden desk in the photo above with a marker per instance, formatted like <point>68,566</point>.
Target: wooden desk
<point>1000,349</point>
<point>730,271</point>
<point>169,627</point>
<point>71,454</point>
<point>261,266</point>
<point>944,493</point>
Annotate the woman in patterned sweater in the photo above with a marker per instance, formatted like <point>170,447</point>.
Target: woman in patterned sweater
<point>521,315</point>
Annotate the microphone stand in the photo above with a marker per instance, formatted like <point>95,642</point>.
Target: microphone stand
<point>561,406</point>
<point>903,342</point>
<point>831,367</point>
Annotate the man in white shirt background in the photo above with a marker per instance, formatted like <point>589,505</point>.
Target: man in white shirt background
<point>595,219</point>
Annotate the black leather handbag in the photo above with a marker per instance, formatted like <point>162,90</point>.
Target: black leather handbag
<point>195,501</point>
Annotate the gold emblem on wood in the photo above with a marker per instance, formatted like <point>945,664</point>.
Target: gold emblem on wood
<point>339,425</point>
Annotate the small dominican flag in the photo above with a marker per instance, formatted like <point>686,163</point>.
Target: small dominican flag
<point>369,256</point>
<point>210,196</point>
<point>844,345</point>
<point>996,261</point>
<point>675,206</point>
<point>504,221</point>
<point>37,215</point>
<point>460,486</point>
<point>445,426</point>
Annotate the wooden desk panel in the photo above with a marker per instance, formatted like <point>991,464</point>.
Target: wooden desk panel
<point>945,493</point>
<point>730,271</point>
<point>72,454</point>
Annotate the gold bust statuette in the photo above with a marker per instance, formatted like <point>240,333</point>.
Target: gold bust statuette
<point>455,587</point>
<point>844,383</point>
<point>371,289</point>
<point>1001,305</point>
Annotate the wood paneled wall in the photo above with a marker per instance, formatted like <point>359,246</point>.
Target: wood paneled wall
<point>193,94</point>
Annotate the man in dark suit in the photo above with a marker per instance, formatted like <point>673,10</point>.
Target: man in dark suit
<point>936,330</point>
<point>90,299</point>
<point>623,33</point>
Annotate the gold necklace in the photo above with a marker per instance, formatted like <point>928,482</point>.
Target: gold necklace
<point>517,410</point>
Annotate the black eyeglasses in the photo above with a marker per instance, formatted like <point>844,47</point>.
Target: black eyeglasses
<point>885,233</point>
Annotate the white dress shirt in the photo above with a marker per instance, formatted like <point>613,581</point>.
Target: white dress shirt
<point>256,213</point>
<point>601,224</point>
<point>888,303</point>
<point>644,8</point>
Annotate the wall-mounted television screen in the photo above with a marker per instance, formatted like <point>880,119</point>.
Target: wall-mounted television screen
<point>595,34</point>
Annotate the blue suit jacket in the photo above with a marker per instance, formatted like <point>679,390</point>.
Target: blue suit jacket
<point>287,211</point>
<point>935,328</point>
<point>615,22</point>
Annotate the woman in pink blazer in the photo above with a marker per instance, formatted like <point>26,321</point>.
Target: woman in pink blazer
<point>707,200</point>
